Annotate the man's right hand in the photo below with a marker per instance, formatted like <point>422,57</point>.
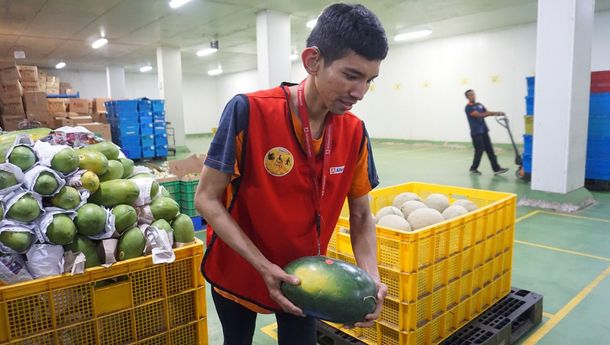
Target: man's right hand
<point>500,113</point>
<point>274,276</point>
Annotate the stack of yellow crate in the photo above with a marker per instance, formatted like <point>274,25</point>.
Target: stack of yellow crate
<point>131,302</point>
<point>441,277</point>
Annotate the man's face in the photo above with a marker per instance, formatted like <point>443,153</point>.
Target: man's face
<point>472,97</point>
<point>345,81</point>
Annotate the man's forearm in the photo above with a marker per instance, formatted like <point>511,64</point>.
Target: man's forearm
<point>364,243</point>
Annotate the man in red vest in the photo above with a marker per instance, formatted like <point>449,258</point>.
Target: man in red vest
<point>278,170</point>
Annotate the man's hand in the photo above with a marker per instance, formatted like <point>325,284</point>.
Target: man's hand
<point>500,113</point>
<point>274,276</point>
<point>382,292</point>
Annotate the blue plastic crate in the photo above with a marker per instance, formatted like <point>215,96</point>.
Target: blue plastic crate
<point>132,152</point>
<point>531,81</point>
<point>528,144</point>
<point>158,105</point>
<point>599,127</point>
<point>146,129</point>
<point>148,152</point>
<point>598,149</point>
<point>160,113</point>
<point>145,117</point>
<point>109,107</point>
<point>125,105</point>
<point>127,117</point>
<point>160,152</point>
<point>159,125</point>
<point>160,140</point>
<point>599,105</point>
<point>197,222</point>
<point>527,163</point>
<point>158,119</point>
<point>529,105</point>
<point>147,140</point>
<point>144,105</point>
<point>597,169</point>
<point>127,140</point>
<point>124,130</point>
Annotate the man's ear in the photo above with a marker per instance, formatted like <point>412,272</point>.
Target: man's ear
<point>312,60</point>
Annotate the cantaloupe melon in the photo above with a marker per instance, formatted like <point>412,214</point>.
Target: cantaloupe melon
<point>424,217</point>
<point>384,211</point>
<point>393,221</point>
<point>437,201</point>
<point>404,197</point>
<point>467,204</point>
<point>410,206</point>
<point>454,211</point>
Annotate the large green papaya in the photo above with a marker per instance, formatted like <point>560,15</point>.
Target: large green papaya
<point>115,192</point>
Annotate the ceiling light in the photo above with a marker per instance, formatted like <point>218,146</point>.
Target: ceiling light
<point>99,43</point>
<point>215,71</point>
<point>60,65</point>
<point>209,51</point>
<point>177,3</point>
<point>312,23</point>
<point>413,35</point>
<point>19,54</point>
<point>145,69</point>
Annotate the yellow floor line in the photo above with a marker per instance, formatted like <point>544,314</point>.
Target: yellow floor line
<point>566,309</point>
<point>576,216</point>
<point>567,251</point>
<point>526,216</point>
<point>547,315</point>
<point>270,330</point>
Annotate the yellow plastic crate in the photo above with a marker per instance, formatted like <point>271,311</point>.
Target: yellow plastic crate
<point>131,302</point>
<point>529,124</point>
<point>442,276</point>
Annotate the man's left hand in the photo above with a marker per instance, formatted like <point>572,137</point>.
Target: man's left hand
<point>382,292</point>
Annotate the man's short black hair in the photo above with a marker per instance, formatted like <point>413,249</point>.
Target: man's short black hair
<point>342,27</point>
<point>467,91</point>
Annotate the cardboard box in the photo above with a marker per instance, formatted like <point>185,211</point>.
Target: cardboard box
<point>6,99</point>
<point>11,122</point>
<point>99,129</point>
<point>63,87</point>
<point>30,86</point>
<point>80,105</point>
<point>185,169</point>
<point>9,75</point>
<point>99,104</point>
<point>70,92</point>
<point>53,80</point>
<point>100,117</point>
<point>14,109</point>
<point>35,102</point>
<point>57,105</point>
<point>6,64</point>
<point>52,90</point>
<point>64,114</point>
<point>43,117</point>
<point>13,89</point>
<point>72,121</point>
<point>28,73</point>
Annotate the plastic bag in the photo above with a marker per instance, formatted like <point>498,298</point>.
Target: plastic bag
<point>45,260</point>
<point>13,269</point>
<point>109,230</point>
<point>158,244</point>
<point>32,175</point>
<point>16,171</point>
<point>8,225</point>
<point>46,152</point>
<point>10,199</point>
<point>46,220</point>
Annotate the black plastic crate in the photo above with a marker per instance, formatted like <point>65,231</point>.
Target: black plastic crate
<point>328,335</point>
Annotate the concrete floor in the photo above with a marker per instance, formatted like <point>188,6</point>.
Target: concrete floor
<point>565,257</point>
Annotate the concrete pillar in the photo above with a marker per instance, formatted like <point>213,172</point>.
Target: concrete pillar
<point>115,81</point>
<point>272,48</point>
<point>561,109</point>
<point>169,72</point>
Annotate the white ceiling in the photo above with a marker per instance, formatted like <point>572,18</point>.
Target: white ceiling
<point>53,30</point>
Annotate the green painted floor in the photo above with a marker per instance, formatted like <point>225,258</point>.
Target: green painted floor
<point>566,258</point>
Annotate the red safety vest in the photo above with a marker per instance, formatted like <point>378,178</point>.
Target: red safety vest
<point>273,202</point>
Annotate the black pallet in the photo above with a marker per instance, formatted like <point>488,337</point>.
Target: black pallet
<point>504,323</point>
<point>597,185</point>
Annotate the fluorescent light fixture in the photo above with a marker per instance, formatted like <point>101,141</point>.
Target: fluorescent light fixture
<point>294,57</point>
<point>206,51</point>
<point>99,43</point>
<point>215,71</point>
<point>413,35</point>
<point>19,54</point>
<point>145,69</point>
<point>177,3</point>
<point>312,23</point>
<point>60,65</point>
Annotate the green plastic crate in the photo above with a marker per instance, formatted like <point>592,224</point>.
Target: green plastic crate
<point>173,187</point>
<point>187,206</point>
<point>187,197</point>
<point>188,187</point>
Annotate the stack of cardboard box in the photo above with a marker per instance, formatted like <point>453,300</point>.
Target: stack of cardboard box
<point>78,112</point>
<point>52,85</point>
<point>10,95</point>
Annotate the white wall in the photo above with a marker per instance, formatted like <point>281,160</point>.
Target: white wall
<point>419,94</point>
<point>199,104</point>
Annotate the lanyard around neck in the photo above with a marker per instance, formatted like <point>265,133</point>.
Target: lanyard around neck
<point>319,186</point>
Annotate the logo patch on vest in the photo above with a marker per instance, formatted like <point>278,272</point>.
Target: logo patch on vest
<point>278,161</point>
<point>337,170</point>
